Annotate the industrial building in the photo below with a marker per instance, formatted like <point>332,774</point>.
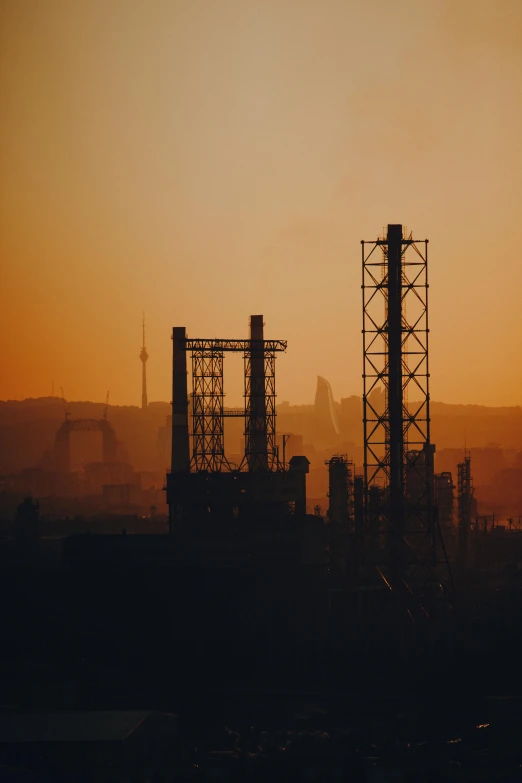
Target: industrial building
<point>203,486</point>
<point>244,589</point>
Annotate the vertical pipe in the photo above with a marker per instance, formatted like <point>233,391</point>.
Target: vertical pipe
<point>180,460</point>
<point>395,393</point>
<point>257,429</point>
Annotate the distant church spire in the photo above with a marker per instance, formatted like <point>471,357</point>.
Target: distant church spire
<point>144,356</point>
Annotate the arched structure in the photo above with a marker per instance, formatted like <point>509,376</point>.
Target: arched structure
<point>62,443</point>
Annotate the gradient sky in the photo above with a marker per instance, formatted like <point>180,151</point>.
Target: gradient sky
<point>206,159</point>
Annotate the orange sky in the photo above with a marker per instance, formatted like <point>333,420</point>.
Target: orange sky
<point>206,159</point>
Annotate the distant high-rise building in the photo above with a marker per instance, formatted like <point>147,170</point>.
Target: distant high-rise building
<point>326,419</point>
<point>144,356</point>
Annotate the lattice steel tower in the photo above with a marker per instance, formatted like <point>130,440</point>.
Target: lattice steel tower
<point>208,408</point>
<point>398,456</point>
<point>208,411</point>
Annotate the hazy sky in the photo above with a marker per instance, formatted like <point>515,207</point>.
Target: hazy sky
<point>203,160</point>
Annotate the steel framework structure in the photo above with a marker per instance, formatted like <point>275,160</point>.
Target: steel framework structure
<point>208,451</point>
<point>398,457</point>
<point>208,412</point>
<point>260,410</point>
<point>237,346</point>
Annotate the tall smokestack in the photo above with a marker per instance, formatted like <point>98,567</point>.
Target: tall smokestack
<point>180,461</point>
<point>257,445</point>
<point>395,393</point>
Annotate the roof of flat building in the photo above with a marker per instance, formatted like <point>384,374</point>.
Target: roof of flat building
<point>95,726</point>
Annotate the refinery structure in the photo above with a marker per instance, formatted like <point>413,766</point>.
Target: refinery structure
<point>202,482</point>
<point>394,515</point>
<point>389,524</point>
<point>244,581</point>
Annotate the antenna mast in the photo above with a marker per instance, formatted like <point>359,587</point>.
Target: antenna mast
<point>143,357</point>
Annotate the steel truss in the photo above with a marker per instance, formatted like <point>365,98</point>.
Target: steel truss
<point>238,346</point>
<point>398,456</point>
<point>208,413</point>
<point>207,410</point>
<point>260,409</point>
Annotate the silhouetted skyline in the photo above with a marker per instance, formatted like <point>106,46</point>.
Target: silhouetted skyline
<point>295,535</point>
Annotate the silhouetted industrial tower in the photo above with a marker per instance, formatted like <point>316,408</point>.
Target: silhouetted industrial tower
<point>260,396</point>
<point>202,484</point>
<point>398,456</point>
<point>464,500</point>
<point>340,490</point>
<point>143,357</point>
<point>208,412</point>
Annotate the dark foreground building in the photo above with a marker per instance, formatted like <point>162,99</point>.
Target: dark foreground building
<point>87,746</point>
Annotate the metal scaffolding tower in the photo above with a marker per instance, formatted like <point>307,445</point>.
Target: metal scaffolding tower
<point>208,411</point>
<point>398,456</point>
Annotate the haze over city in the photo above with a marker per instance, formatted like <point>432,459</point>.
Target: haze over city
<point>202,161</point>
<point>261,399</point>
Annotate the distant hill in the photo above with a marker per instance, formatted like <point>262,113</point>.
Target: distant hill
<point>454,426</point>
<point>28,428</point>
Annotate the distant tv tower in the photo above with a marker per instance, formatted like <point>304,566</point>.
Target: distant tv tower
<point>144,356</point>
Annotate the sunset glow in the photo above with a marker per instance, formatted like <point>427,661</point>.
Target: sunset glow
<point>203,161</point>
